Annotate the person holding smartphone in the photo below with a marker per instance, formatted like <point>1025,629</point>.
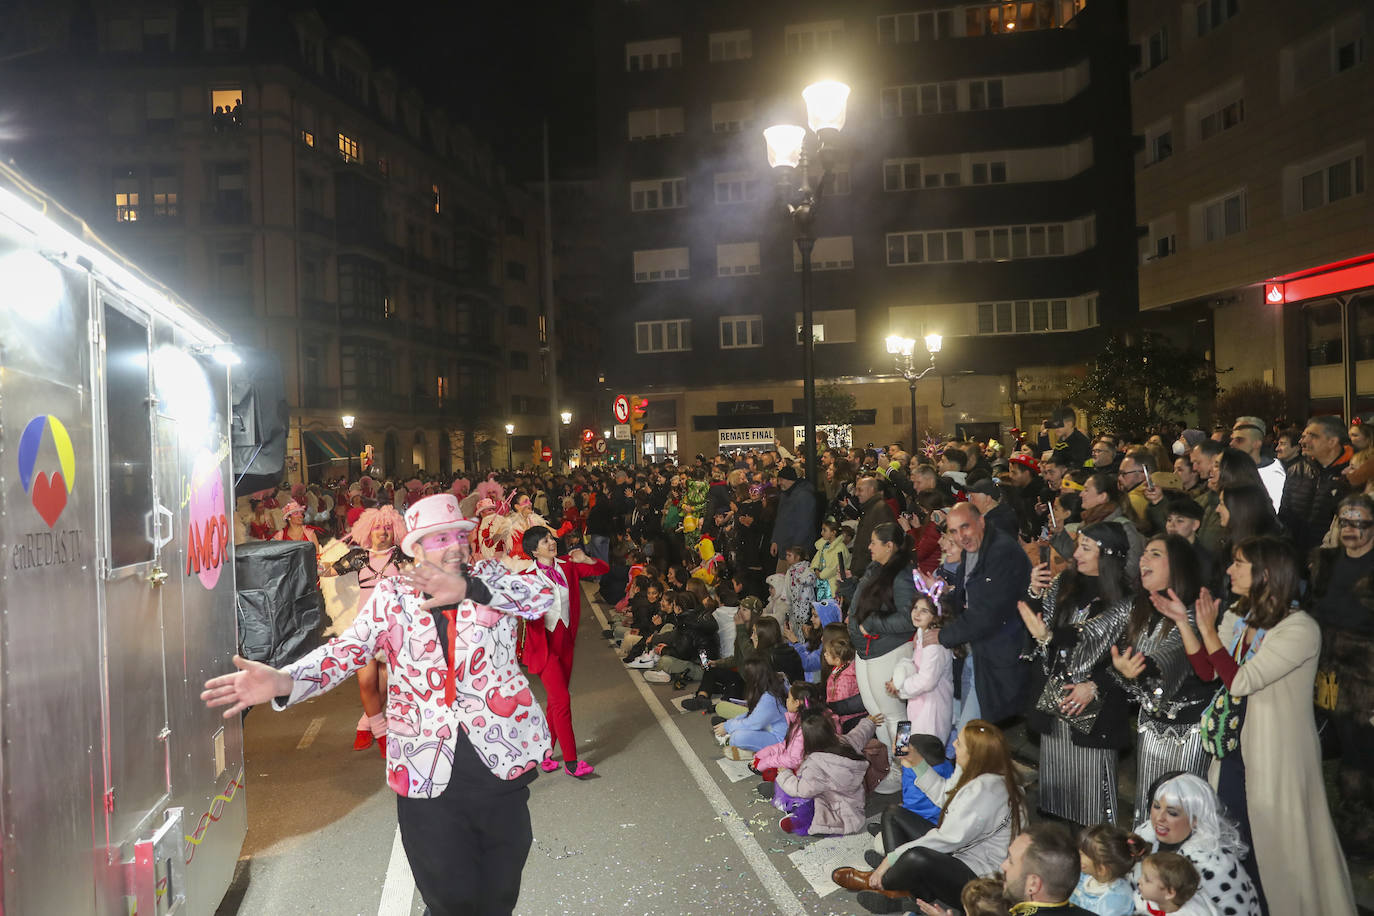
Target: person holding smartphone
<point>1137,487</point>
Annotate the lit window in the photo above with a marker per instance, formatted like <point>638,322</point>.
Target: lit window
<point>126,196</point>
<point>348,148</point>
<point>433,191</point>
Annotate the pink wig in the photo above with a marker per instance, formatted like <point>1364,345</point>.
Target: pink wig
<point>461,487</point>
<point>490,489</point>
<point>298,492</point>
<point>383,517</point>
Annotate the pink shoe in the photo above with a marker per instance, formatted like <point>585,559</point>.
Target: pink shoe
<point>548,764</point>
<point>579,768</point>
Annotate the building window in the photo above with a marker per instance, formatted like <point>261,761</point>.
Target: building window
<point>1319,57</point>
<point>674,336</point>
<point>1023,316</point>
<point>651,123</point>
<point>1159,141</point>
<point>1013,243</point>
<point>1162,239</point>
<point>901,174</point>
<point>434,196</point>
<point>936,247</point>
<point>662,54</point>
<point>737,45</point>
<point>829,327</point>
<point>519,361</point>
<point>732,117</point>
<point>660,443</point>
<point>1212,14</point>
<point>658,194</point>
<point>834,252</point>
<point>348,148</point>
<point>1331,178</point>
<point>737,259</point>
<point>1218,112</point>
<point>226,32</point>
<point>990,172</point>
<point>839,180</point>
<point>515,271</point>
<point>914,99</point>
<point>362,288</point>
<point>1220,218</point>
<point>735,187</point>
<point>161,110</point>
<point>741,331</point>
<point>654,265</point>
<point>903,28</point>
<point>165,192</point>
<point>226,109</point>
<point>1010,18</point>
<point>157,34</point>
<point>806,37</point>
<point>985,94</point>
<point>126,196</point>
<point>1154,50</point>
<point>517,316</point>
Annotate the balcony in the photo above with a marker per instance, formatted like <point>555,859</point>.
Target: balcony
<point>316,223</point>
<point>320,398</point>
<point>227,211</point>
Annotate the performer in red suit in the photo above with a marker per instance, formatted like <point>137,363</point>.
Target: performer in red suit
<point>548,649</point>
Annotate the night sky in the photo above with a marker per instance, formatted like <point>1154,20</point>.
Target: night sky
<point>499,67</point>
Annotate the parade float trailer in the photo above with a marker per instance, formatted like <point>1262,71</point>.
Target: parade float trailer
<point>122,793</point>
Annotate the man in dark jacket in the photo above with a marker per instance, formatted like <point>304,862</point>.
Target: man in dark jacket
<point>875,511</point>
<point>990,578</point>
<point>1064,423</point>
<point>797,516</point>
<point>1316,484</point>
<point>987,496</point>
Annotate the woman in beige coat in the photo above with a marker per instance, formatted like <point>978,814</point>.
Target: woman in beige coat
<point>1265,655</point>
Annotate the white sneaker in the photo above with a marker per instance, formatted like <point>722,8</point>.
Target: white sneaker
<point>657,677</point>
<point>647,660</point>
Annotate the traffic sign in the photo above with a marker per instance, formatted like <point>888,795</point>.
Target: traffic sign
<point>601,446</point>
<point>547,454</point>
<point>622,409</point>
<point>622,431</point>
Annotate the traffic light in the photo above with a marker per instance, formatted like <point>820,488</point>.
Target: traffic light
<point>638,407</point>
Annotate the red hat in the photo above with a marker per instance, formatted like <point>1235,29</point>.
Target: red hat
<point>1026,461</point>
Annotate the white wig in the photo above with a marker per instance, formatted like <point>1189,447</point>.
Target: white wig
<point>1210,823</point>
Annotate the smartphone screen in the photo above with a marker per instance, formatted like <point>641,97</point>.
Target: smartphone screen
<point>903,738</point>
<point>705,659</point>
<point>1044,553</point>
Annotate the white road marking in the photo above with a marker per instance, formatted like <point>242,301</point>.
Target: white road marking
<point>736,826</point>
<point>398,892</point>
<point>311,731</point>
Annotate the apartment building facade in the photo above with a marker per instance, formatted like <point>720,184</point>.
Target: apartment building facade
<point>1254,119</point>
<point>983,192</point>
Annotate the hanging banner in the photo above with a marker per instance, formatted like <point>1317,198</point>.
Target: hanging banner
<point>747,438</point>
<point>835,436</point>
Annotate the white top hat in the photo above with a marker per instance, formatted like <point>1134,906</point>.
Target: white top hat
<point>432,515</point>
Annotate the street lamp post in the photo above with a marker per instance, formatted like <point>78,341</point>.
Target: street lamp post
<point>510,448</point>
<point>348,420</point>
<point>566,417</point>
<point>903,350</point>
<point>787,155</point>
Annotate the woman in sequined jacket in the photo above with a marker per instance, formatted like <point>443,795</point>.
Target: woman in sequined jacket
<point>1150,665</point>
<point>1083,612</point>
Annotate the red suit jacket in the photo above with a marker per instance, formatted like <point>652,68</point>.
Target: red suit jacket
<point>534,651</point>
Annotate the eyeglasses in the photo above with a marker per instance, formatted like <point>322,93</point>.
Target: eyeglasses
<point>1357,525</point>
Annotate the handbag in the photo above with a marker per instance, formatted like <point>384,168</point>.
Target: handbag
<point>1082,721</point>
<point>1220,725</point>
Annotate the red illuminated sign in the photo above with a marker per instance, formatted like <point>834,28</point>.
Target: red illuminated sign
<point>1326,280</point>
<point>1273,293</point>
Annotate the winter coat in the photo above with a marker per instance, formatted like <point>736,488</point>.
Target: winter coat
<point>1217,868</point>
<point>875,512</point>
<point>889,627</point>
<point>797,517</point>
<point>1296,849</point>
<point>989,622</point>
<point>768,715</point>
<point>916,801</point>
<point>842,695</point>
<point>1310,495</point>
<point>800,587</point>
<point>977,820</point>
<point>693,634</point>
<point>926,544</point>
<point>786,754</point>
<point>831,558</point>
<point>926,682</point>
<point>835,782</point>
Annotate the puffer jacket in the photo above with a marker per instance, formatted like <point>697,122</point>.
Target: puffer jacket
<point>831,558</point>
<point>694,633</point>
<point>835,782</point>
<point>888,627</point>
<point>842,695</point>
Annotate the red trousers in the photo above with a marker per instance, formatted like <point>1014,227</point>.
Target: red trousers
<point>555,676</point>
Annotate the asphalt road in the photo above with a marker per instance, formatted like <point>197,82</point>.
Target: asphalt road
<point>659,829</point>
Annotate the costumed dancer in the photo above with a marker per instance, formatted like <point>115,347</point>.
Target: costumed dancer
<point>547,651</point>
<point>293,526</point>
<point>489,540</point>
<point>378,534</point>
<point>521,519</point>
<point>694,504</point>
<point>460,756</point>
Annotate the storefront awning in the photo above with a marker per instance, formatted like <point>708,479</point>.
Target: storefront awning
<point>331,444</point>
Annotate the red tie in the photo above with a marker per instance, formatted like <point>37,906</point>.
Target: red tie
<point>450,680</point>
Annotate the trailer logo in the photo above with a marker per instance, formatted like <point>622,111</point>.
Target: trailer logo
<point>207,541</point>
<point>48,494</point>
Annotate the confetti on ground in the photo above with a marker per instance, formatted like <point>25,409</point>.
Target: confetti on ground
<point>817,860</point>
<point>734,770</point>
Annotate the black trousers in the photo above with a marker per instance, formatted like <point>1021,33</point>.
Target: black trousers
<point>922,873</point>
<point>467,847</point>
<point>724,681</point>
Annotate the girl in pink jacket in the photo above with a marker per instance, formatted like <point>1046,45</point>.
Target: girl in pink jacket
<point>787,753</point>
<point>825,794</point>
<point>926,680</point>
<point>839,678</point>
